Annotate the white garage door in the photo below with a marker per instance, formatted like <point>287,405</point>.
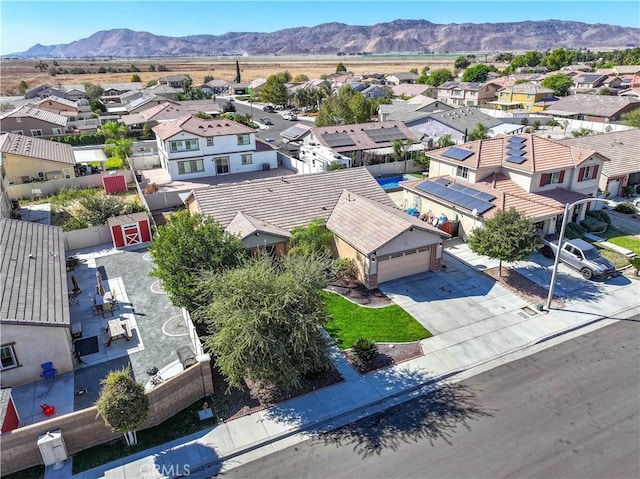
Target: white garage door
<point>614,187</point>
<point>393,268</point>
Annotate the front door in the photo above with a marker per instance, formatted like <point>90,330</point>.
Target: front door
<point>131,234</point>
<point>222,165</point>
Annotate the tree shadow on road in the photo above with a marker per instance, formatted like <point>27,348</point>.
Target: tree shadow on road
<point>434,416</point>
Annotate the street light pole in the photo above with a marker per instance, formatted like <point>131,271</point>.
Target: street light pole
<point>565,217</point>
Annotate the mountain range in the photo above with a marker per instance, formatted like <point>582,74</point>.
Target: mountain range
<point>398,36</point>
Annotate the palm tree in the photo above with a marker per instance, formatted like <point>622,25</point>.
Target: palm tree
<point>444,141</point>
<point>401,151</point>
<point>113,129</point>
<point>120,148</point>
<point>311,239</point>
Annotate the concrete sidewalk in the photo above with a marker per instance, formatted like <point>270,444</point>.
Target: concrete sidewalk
<point>478,345</point>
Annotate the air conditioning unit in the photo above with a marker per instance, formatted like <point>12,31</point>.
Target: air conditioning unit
<point>52,449</point>
<point>266,166</point>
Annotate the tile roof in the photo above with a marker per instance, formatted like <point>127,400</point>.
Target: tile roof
<point>466,86</point>
<point>245,225</point>
<point>62,101</point>
<point>621,147</point>
<point>462,119</point>
<point>409,89</point>
<point>199,127</point>
<point>588,78</point>
<point>37,148</point>
<point>357,134</point>
<point>28,111</point>
<point>33,278</point>
<point>126,86</point>
<point>368,225</point>
<point>287,202</point>
<point>528,88</point>
<point>540,154</point>
<point>595,105</point>
<point>218,83</point>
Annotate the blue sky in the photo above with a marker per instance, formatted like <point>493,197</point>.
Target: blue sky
<point>24,23</point>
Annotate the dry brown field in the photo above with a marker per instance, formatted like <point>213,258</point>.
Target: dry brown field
<point>12,72</point>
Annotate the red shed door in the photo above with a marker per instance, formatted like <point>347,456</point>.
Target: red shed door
<point>131,234</point>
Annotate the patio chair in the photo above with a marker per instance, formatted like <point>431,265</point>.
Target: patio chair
<point>48,371</point>
<point>107,307</point>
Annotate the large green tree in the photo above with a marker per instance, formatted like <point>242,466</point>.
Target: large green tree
<point>345,108</point>
<point>557,59</point>
<point>461,62</point>
<point>312,239</point>
<point>480,132</point>
<point>275,91</point>
<point>187,246</point>
<point>113,129</point>
<point>477,73</point>
<point>559,83</point>
<point>438,77</point>
<point>93,91</point>
<point>120,148</point>
<point>122,404</point>
<point>507,236</point>
<point>264,320</point>
<point>632,118</point>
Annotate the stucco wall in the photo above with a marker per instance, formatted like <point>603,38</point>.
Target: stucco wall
<point>33,346</point>
<point>409,240</point>
<point>345,250</point>
<point>82,430</point>
<point>17,166</point>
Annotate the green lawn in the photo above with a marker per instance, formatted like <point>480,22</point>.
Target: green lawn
<point>619,238</point>
<point>182,424</point>
<point>389,324</point>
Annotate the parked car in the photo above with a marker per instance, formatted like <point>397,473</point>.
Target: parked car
<point>269,140</point>
<point>289,116</point>
<point>580,255</point>
<point>268,109</point>
<point>265,121</point>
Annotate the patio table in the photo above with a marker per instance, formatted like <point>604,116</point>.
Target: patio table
<point>117,330</point>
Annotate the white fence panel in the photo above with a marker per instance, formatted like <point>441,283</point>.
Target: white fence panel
<point>46,188</point>
<point>87,237</point>
<point>394,168</point>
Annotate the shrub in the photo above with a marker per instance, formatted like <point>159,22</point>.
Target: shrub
<point>364,350</point>
<point>627,191</point>
<point>635,262</point>
<point>574,231</point>
<point>626,208</point>
<point>96,210</point>
<point>343,267</point>
<point>591,224</point>
<point>600,216</point>
<point>75,223</point>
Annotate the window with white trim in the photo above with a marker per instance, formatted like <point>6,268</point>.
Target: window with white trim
<point>191,166</point>
<point>244,139</point>
<point>247,159</point>
<point>17,132</point>
<point>8,358</point>
<point>462,172</point>
<point>57,131</point>
<point>36,132</point>
<point>210,141</point>
<point>18,120</point>
<point>552,178</point>
<point>183,145</point>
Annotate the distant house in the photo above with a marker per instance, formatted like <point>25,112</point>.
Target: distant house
<point>534,175</point>
<point>588,81</point>
<point>384,243</point>
<point>33,121</point>
<point>239,89</point>
<point>413,89</point>
<point>522,96</point>
<point>44,91</point>
<point>34,302</point>
<point>598,108</point>
<point>375,91</point>
<point>75,92</point>
<point>631,92</point>
<point>216,87</point>
<point>190,147</point>
<point>115,89</point>
<point>531,70</point>
<point>26,159</point>
<point>175,81</point>
<point>620,70</point>
<point>165,91</point>
<point>621,148</point>
<point>409,111</point>
<point>402,77</point>
<point>59,105</point>
<point>466,93</point>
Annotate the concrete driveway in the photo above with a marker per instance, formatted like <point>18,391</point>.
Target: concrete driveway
<point>459,296</point>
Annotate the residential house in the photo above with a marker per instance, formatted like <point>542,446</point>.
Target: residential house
<point>620,70</point>
<point>535,175</point>
<point>458,123</point>
<point>384,242</point>
<point>34,302</point>
<point>216,87</point>
<point>175,81</point>
<point>33,121</point>
<point>596,108</point>
<point>165,91</point>
<point>411,110</point>
<point>6,205</point>
<point>402,77</point>
<point>115,89</point>
<point>522,96</point>
<point>165,111</point>
<point>41,92</point>
<point>466,93</point>
<point>74,92</point>
<point>26,159</point>
<point>375,91</point>
<point>588,81</point>
<point>256,85</point>
<point>414,89</point>
<point>621,147</point>
<point>239,89</point>
<point>59,105</point>
<point>531,70</point>
<point>631,92</point>
<point>362,142</point>
<point>190,147</point>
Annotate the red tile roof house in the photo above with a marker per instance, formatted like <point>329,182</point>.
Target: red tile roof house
<point>190,147</point>
<point>534,175</point>
<point>384,242</point>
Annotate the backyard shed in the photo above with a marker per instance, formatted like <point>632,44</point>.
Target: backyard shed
<point>129,230</point>
<point>114,184</point>
<point>8,413</point>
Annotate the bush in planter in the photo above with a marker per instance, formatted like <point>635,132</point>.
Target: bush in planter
<point>626,208</point>
<point>343,267</point>
<point>364,350</point>
<point>574,231</point>
<point>591,224</point>
<point>635,263</point>
<point>600,216</point>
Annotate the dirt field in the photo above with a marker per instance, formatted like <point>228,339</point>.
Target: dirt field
<point>12,72</point>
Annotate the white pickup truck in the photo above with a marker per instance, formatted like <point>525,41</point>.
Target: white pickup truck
<point>580,255</point>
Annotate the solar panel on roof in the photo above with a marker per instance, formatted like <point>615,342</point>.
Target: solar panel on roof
<point>338,139</point>
<point>442,181</point>
<point>516,159</point>
<point>382,135</point>
<point>516,139</point>
<point>457,153</point>
<point>471,192</point>
<point>515,145</point>
<point>456,197</point>
<point>512,152</point>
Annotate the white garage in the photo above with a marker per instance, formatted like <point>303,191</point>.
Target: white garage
<point>399,265</point>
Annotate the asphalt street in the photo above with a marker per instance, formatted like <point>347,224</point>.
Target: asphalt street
<point>273,131</point>
<point>570,411</point>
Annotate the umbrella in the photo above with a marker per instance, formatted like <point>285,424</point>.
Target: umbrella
<point>100,286</point>
<point>76,287</point>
